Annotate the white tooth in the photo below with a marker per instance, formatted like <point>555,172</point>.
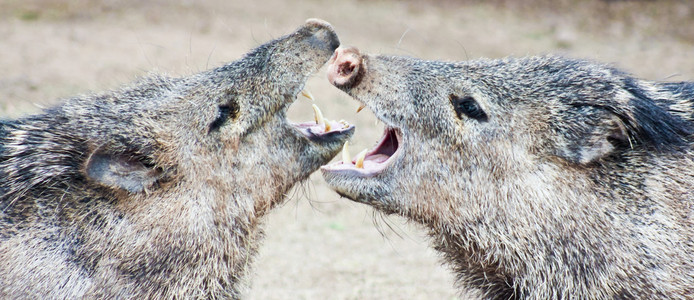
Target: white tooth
<point>307,94</point>
<point>344,124</point>
<point>318,115</point>
<point>346,158</point>
<point>327,125</point>
<point>361,106</point>
<point>360,159</point>
<point>319,118</point>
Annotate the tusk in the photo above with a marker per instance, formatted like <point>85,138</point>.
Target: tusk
<point>317,115</point>
<point>327,125</point>
<point>361,106</point>
<point>360,159</point>
<point>345,154</point>
<point>307,94</point>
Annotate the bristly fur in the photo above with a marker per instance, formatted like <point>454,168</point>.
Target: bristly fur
<point>578,184</point>
<point>157,190</point>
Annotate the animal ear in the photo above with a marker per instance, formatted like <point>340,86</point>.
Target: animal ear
<point>590,134</point>
<point>121,171</point>
<point>591,130</point>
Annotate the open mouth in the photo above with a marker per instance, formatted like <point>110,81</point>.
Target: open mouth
<point>346,69</point>
<point>370,163</point>
<point>322,129</point>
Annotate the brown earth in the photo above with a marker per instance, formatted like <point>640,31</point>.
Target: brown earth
<point>319,246</point>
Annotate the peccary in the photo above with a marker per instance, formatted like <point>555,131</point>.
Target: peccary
<point>158,190</point>
<point>537,177</point>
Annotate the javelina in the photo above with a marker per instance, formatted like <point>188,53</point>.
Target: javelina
<point>538,177</point>
<point>157,190</point>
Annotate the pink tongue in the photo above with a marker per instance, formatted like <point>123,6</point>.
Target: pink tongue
<point>378,158</point>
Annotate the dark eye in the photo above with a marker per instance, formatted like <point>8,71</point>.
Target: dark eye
<point>225,113</point>
<point>469,107</point>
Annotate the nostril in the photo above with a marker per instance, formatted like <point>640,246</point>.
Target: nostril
<point>344,69</point>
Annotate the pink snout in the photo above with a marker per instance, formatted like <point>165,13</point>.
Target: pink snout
<point>345,67</point>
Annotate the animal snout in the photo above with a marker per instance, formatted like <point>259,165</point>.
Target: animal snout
<point>345,67</point>
<point>322,33</point>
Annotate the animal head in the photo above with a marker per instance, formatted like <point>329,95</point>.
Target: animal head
<point>219,136</point>
<point>156,190</point>
<point>471,140</point>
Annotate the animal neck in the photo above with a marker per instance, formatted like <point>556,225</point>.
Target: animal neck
<point>504,237</point>
<point>36,162</point>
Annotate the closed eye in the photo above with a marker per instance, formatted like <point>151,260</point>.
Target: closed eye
<point>467,106</point>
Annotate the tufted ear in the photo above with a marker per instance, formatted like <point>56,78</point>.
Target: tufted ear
<point>121,171</point>
<point>589,134</point>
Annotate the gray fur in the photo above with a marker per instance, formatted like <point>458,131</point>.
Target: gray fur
<point>158,190</point>
<point>578,185</point>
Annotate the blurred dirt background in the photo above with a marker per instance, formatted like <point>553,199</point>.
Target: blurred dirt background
<point>319,246</point>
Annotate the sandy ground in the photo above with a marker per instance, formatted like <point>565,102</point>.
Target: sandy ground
<point>319,246</point>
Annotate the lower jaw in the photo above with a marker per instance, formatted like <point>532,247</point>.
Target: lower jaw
<point>351,173</point>
<point>378,202</point>
<point>350,184</point>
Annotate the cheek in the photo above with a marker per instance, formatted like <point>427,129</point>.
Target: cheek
<point>274,145</point>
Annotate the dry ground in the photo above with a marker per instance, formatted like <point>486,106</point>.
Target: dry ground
<point>319,246</point>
